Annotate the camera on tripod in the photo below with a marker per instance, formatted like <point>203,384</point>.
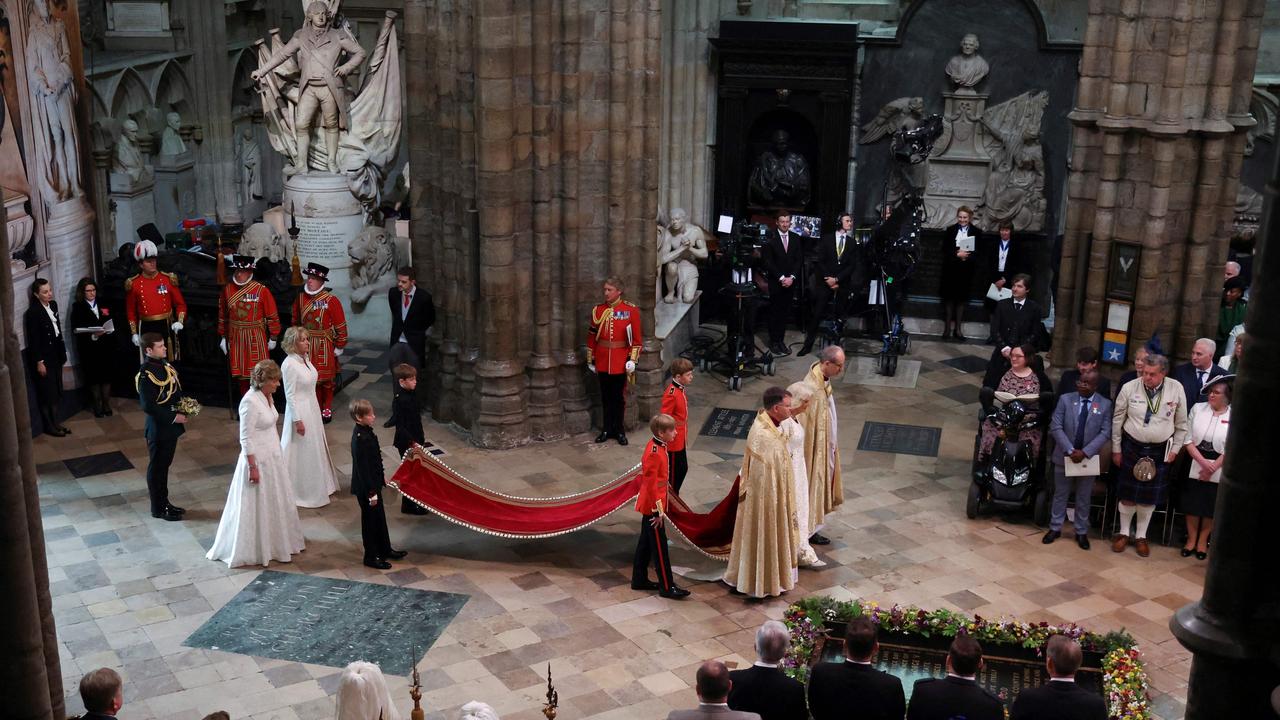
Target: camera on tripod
<point>743,244</point>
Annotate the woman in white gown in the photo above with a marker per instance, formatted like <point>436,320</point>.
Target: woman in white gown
<point>260,521</point>
<point>793,431</point>
<point>303,442</point>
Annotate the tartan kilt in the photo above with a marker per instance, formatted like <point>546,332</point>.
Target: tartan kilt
<point>1155,492</point>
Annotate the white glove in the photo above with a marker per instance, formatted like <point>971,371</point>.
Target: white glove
<point>591,367</point>
<point>271,344</point>
<point>222,344</point>
<point>137,339</point>
<point>176,326</point>
<point>631,366</point>
<point>337,351</point>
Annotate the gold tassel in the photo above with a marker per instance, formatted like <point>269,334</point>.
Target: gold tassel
<point>222,266</point>
<point>296,280</point>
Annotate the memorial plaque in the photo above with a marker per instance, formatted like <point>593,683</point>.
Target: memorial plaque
<point>902,439</point>
<point>324,621</point>
<point>146,16</point>
<point>727,422</point>
<point>324,240</point>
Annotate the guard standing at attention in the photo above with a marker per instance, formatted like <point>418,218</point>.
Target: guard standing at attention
<point>247,320</point>
<point>152,300</point>
<point>320,313</point>
<point>613,346</point>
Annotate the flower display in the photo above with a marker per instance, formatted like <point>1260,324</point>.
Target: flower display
<point>1124,678</point>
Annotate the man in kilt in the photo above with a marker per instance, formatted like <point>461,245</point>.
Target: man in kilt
<point>1149,426</point>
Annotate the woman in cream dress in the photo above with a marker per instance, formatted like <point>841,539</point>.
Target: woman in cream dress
<point>793,431</point>
<point>260,521</point>
<point>303,442</point>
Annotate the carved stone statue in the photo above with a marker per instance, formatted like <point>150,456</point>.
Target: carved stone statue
<point>262,241</point>
<point>780,178</point>
<point>318,50</point>
<point>250,157</point>
<point>128,159</point>
<point>1015,186</point>
<point>905,112</point>
<point>53,97</point>
<point>968,68</point>
<point>683,245</point>
<point>171,142</point>
<point>373,264</point>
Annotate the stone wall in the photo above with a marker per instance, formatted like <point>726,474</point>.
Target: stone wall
<point>533,146</point>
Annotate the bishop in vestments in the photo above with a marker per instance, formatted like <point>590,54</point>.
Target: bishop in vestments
<point>821,451</point>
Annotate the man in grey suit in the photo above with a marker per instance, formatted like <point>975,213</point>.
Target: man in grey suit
<point>713,696</point>
<point>1081,428</point>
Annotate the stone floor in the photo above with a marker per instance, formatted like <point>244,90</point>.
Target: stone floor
<point>128,589</point>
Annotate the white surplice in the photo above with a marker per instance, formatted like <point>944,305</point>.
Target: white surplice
<point>260,521</point>
<point>306,455</point>
<point>793,431</point>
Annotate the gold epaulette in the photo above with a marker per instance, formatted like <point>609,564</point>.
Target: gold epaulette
<point>173,277</point>
<point>128,283</point>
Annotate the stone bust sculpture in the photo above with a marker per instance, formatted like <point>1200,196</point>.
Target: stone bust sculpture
<point>682,246</point>
<point>128,159</point>
<point>968,68</point>
<point>780,178</point>
<point>171,141</point>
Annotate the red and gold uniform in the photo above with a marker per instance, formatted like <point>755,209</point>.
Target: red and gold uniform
<point>613,340</point>
<point>676,404</point>
<point>247,320</point>
<point>153,304</point>
<point>322,317</point>
<point>652,503</point>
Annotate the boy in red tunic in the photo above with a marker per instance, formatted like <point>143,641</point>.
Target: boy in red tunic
<point>676,404</point>
<point>247,320</point>
<point>652,503</point>
<point>319,312</point>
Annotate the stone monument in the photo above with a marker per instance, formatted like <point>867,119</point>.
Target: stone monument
<point>131,186</point>
<point>957,171</point>
<point>171,142</point>
<point>683,245</point>
<point>780,178</point>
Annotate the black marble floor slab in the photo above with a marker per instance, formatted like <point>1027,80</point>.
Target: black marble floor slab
<point>919,440</point>
<point>100,464</point>
<point>967,363</point>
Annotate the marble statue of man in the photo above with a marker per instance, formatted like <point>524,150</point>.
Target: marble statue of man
<point>683,245</point>
<point>318,49</point>
<point>171,142</point>
<point>53,95</point>
<point>250,159</point>
<point>129,159</point>
<point>968,68</point>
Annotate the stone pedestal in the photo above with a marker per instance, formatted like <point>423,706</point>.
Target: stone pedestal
<point>135,206</point>
<point>68,234</point>
<point>674,324</point>
<point>18,224</point>
<point>957,173</point>
<point>175,190</point>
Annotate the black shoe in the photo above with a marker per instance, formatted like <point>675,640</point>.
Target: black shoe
<point>622,438</point>
<point>326,419</point>
<point>107,411</point>
<point>1184,552</point>
<point>56,432</point>
<point>396,554</point>
<point>675,593</point>
<point>99,413</point>
<point>646,585</point>
<point>176,509</point>
<point>805,349</point>
<point>1082,541</point>
<point>1201,555</point>
<point>390,421</point>
<point>602,437</point>
<point>1051,536</point>
<point>63,430</point>
<point>816,539</point>
<point>377,564</point>
<point>779,349</point>
<point>168,516</point>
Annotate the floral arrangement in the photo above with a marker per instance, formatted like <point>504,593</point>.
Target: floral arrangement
<point>1124,679</point>
<point>188,406</point>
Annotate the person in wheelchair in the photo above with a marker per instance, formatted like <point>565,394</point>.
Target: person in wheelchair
<point>1021,379</point>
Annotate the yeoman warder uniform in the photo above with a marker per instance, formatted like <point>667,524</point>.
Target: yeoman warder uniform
<point>321,315</point>
<point>247,321</point>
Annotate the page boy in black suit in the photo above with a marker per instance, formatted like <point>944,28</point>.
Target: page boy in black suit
<point>366,484</point>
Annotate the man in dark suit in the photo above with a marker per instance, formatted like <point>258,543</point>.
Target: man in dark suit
<point>712,685</point>
<point>1202,368</point>
<point>783,261</point>
<point>412,314</point>
<point>763,688</point>
<point>1086,361</point>
<point>102,692</point>
<point>1017,320</point>
<point>1060,698</point>
<point>1002,260</point>
<point>957,694</point>
<point>832,277</point>
<point>836,688</point>
<point>1081,428</point>
<point>158,393</point>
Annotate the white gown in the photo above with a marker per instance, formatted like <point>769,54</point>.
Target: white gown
<point>794,433</point>
<point>306,456</point>
<point>259,522</point>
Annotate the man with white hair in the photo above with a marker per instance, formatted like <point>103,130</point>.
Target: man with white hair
<point>1196,374</point>
<point>363,694</point>
<point>763,688</point>
<point>476,710</point>
<point>1230,270</point>
<point>822,453</point>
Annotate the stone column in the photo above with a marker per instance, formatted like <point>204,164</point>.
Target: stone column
<point>216,189</point>
<point>688,107</point>
<point>1160,117</point>
<point>1234,630</point>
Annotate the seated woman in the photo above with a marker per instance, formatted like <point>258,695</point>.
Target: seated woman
<point>1020,379</point>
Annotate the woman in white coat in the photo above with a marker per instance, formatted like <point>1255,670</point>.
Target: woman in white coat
<point>303,442</point>
<point>260,521</point>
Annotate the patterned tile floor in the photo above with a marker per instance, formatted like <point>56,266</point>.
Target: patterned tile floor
<point>129,589</point>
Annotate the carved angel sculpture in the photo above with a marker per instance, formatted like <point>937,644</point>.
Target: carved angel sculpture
<point>1015,186</point>
<point>905,112</point>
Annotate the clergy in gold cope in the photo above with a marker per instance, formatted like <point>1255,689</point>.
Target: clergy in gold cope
<point>821,449</point>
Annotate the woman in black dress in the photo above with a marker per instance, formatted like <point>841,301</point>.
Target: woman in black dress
<point>93,349</point>
<point>46,353</point>
<point>958,244</point>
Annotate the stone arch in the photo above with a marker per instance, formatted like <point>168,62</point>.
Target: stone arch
<point>130,96</point>
<point>241,92</point>
<point>1031,6</point>
<point>172,90</point>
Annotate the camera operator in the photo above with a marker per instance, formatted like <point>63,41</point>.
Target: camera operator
<point>783,260</point>
<point>832,276</point>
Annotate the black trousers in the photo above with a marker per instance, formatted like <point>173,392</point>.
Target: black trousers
<point>613,401</point>
<point>679,467</point>
<point>779,309</point>
<point>373,528</point>
<point>823,297</point>
<point>160,452</point>
<point>652,547</point>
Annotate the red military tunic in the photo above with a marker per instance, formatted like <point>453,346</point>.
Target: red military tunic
<point>247,318</point>
<point>614,337</point>
<point>153,299</point>
<point>654,471</point>
<point>322,317</point>
<point>676,404</point>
